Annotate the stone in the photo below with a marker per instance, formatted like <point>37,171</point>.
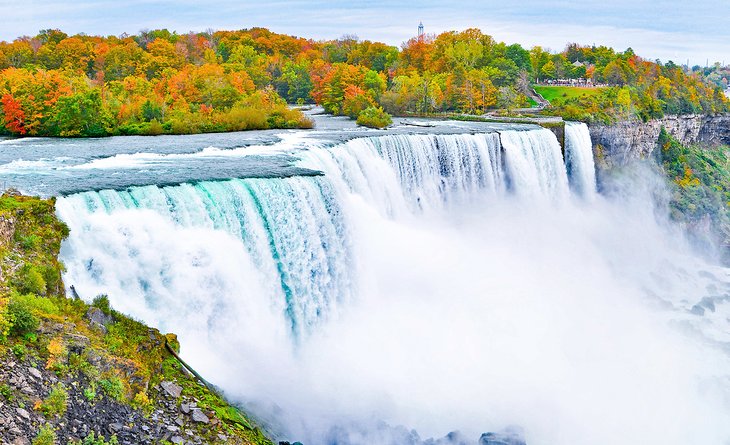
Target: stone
<point>172,389</point>
<point>22,413</point>
<point>77,343</point>
<point>509,436</point>
<point>98,319</point>
<point>199,416</point>
<point>35,373</point>
<point>177,440</point>
<point>115,427</point>
<point>21,441</point>
<point>185,408</point>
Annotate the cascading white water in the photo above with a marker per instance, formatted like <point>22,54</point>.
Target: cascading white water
<point>436,282</point>
<point>579,159</point>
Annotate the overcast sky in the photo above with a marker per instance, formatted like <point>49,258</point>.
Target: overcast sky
<point>663,29</point>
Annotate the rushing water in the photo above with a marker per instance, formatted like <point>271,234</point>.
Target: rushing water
<point>461,280</point>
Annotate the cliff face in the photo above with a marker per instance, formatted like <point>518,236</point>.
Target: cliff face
<point>625,141</point>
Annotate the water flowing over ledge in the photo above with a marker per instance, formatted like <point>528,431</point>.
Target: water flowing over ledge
<point>454,281</point>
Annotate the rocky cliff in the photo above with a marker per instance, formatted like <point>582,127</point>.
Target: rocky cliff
<point>624,141</point>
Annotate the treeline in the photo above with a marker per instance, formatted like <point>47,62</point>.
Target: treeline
<point>637,88</point>
<point>153,83</point>
<point>162,82</point>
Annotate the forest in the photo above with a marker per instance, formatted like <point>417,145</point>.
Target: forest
<point>161,82</point>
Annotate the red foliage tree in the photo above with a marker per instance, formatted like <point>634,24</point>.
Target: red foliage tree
<point>13,115</point>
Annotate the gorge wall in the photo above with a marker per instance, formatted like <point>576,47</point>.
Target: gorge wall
<point>628,140</point>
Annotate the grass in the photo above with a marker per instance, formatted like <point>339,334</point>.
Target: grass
<point>562,93</point>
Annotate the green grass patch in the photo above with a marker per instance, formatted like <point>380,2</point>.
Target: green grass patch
<point>562,93</point>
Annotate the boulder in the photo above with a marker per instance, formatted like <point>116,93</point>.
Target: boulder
<point>172,389</point>
<point>98,319</point>
<point>199,416</point>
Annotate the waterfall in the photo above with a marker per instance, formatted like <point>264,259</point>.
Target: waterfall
<point>401,173</point>
<point>438,282</point>
<point>579,159</point>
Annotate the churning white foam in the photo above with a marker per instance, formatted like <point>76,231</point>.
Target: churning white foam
<point>437,282</point>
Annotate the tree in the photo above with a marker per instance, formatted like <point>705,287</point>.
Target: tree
<point>80,114</point>
<point>13,115</point>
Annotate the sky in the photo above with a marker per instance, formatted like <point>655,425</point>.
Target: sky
<point>655,29</point>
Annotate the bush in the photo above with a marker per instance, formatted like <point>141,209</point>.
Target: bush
<point>90,392</point>
<point>154,128</point>
<point>374,118</point>
<point>6,323</point>
<point>22,320</point>
<point>30,281</point>
<point>56,402</point>
<point>6,392</point>
<point>92,439</point>
<point>19,351</point>
<point>36,304</point>
<point>101,302</point>
<point>113,387</point>
<point>46,436</point>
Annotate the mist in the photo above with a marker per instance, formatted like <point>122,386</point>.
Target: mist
<point>512,302</point>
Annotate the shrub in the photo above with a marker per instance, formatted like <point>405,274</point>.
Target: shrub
<point>113,387</point>
<point>142,401</point>
<point>36,304</point>
<point>56,402</point>
<point>30,281</point>
<point>101,302</point>
<point>46,436</point>
<point>90,392</point>
<point>29,242</point>
<point>22,320</point>
<point>57,351</point>
<point>6,323</point>
<point>19,351</point>
<point>92,439</point>
<point>154,128</point>
<point>6,392</point>
<point>374,118</point>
